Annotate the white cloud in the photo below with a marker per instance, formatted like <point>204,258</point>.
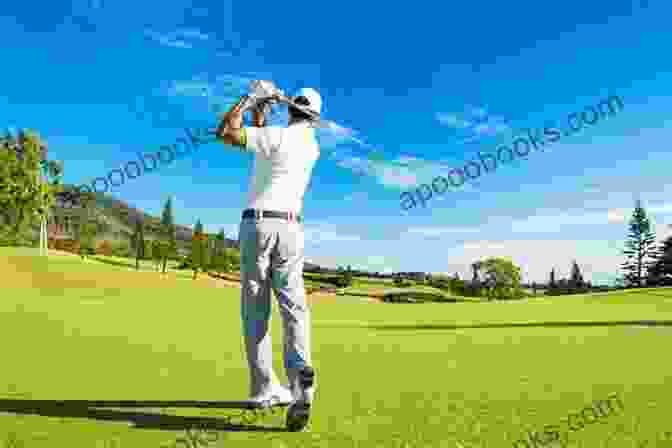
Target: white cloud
<point>663,209</point>
<point>558,222</point>
<point>475,125</point>
<point>441,231</point>
<point>663,231</point>
<point>479,111</point>
<point>176,39</point>
<point>318,234</point>
<point>193,33</point>
<point>377,263</point>
<point>395,177</point>
<point>190,88</point>
<point>483,246</point>
<point>452,120</point>
<point>533,257</point>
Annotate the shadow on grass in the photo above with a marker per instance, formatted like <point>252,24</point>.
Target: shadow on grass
<point>415,296</point>
<point>89,410</point>
<point>647,293</point>
<point>650,323</point>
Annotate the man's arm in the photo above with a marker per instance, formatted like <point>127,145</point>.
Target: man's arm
<point>230,130</point>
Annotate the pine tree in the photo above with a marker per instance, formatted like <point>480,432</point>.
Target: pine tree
<point>221,259</point>
<point>475,287</point>
<point>197,248</point>
<point>139,242</point>
<point>640,247</point>
<point>169,248</point>
<point>551,282</point>
<point>661,267</point>
<point>576,279</point>
<point>157,253</point>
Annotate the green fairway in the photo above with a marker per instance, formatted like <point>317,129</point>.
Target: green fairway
<point>448,375</point>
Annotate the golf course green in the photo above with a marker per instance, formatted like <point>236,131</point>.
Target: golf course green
<point>461,375</point>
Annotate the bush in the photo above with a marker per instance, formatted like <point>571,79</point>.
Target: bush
<point>566,291</point>
<point>402,282</point>
<point>343,282</point>
<point>21,240</point>
<point>185,263</point>
<point>665,281</point>
<point>440,284</point>
<point>122,249</point>
<point>457,287</point>
<point>417,297</point>
<point>9,242</point>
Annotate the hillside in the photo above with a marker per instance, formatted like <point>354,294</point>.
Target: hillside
<point>119,218</point>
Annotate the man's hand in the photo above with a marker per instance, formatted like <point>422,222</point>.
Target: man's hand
<point>230,129</point>
<point>259,117</point>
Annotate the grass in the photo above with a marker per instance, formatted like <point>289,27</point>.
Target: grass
<point>461,375</point>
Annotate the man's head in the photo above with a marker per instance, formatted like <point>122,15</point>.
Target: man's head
<point>310,99</point>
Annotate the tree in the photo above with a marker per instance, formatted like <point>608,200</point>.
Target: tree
<point>347,277</point>
<point>147,251</point>
<point>501,277</point>
<point>157,253</point>
<point>660,273</point>
<point>474,289</point>
<point>504,277</point>
<point>344,280</point>
<point>87,228</point>
<point>398,279</point>
<point>233,257</point>
<point>457,286</point>
<point>551,282</point>
<point>534,288</point>
<point>169,248</point>
<point>576,278</point>
<point>220,259</point>
<point>640,247</point>
<point>24,198</point>
<point>138,239</point>
<point>198,248</point>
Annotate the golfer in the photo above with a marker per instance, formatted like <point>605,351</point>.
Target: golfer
<point>271,250</point>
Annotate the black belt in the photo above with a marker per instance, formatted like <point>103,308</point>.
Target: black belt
<point>287,216</point>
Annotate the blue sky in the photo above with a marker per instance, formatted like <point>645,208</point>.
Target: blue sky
<point>425,83</point>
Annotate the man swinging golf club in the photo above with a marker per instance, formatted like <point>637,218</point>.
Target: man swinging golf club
<point>271,248</point>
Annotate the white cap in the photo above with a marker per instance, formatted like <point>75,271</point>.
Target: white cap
<point>313,98</point>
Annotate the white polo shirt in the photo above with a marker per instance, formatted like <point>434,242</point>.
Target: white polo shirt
<point>284,160</point>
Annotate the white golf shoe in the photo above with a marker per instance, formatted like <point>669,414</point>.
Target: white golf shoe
<point>303,390</point>
<point>278,395</point>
